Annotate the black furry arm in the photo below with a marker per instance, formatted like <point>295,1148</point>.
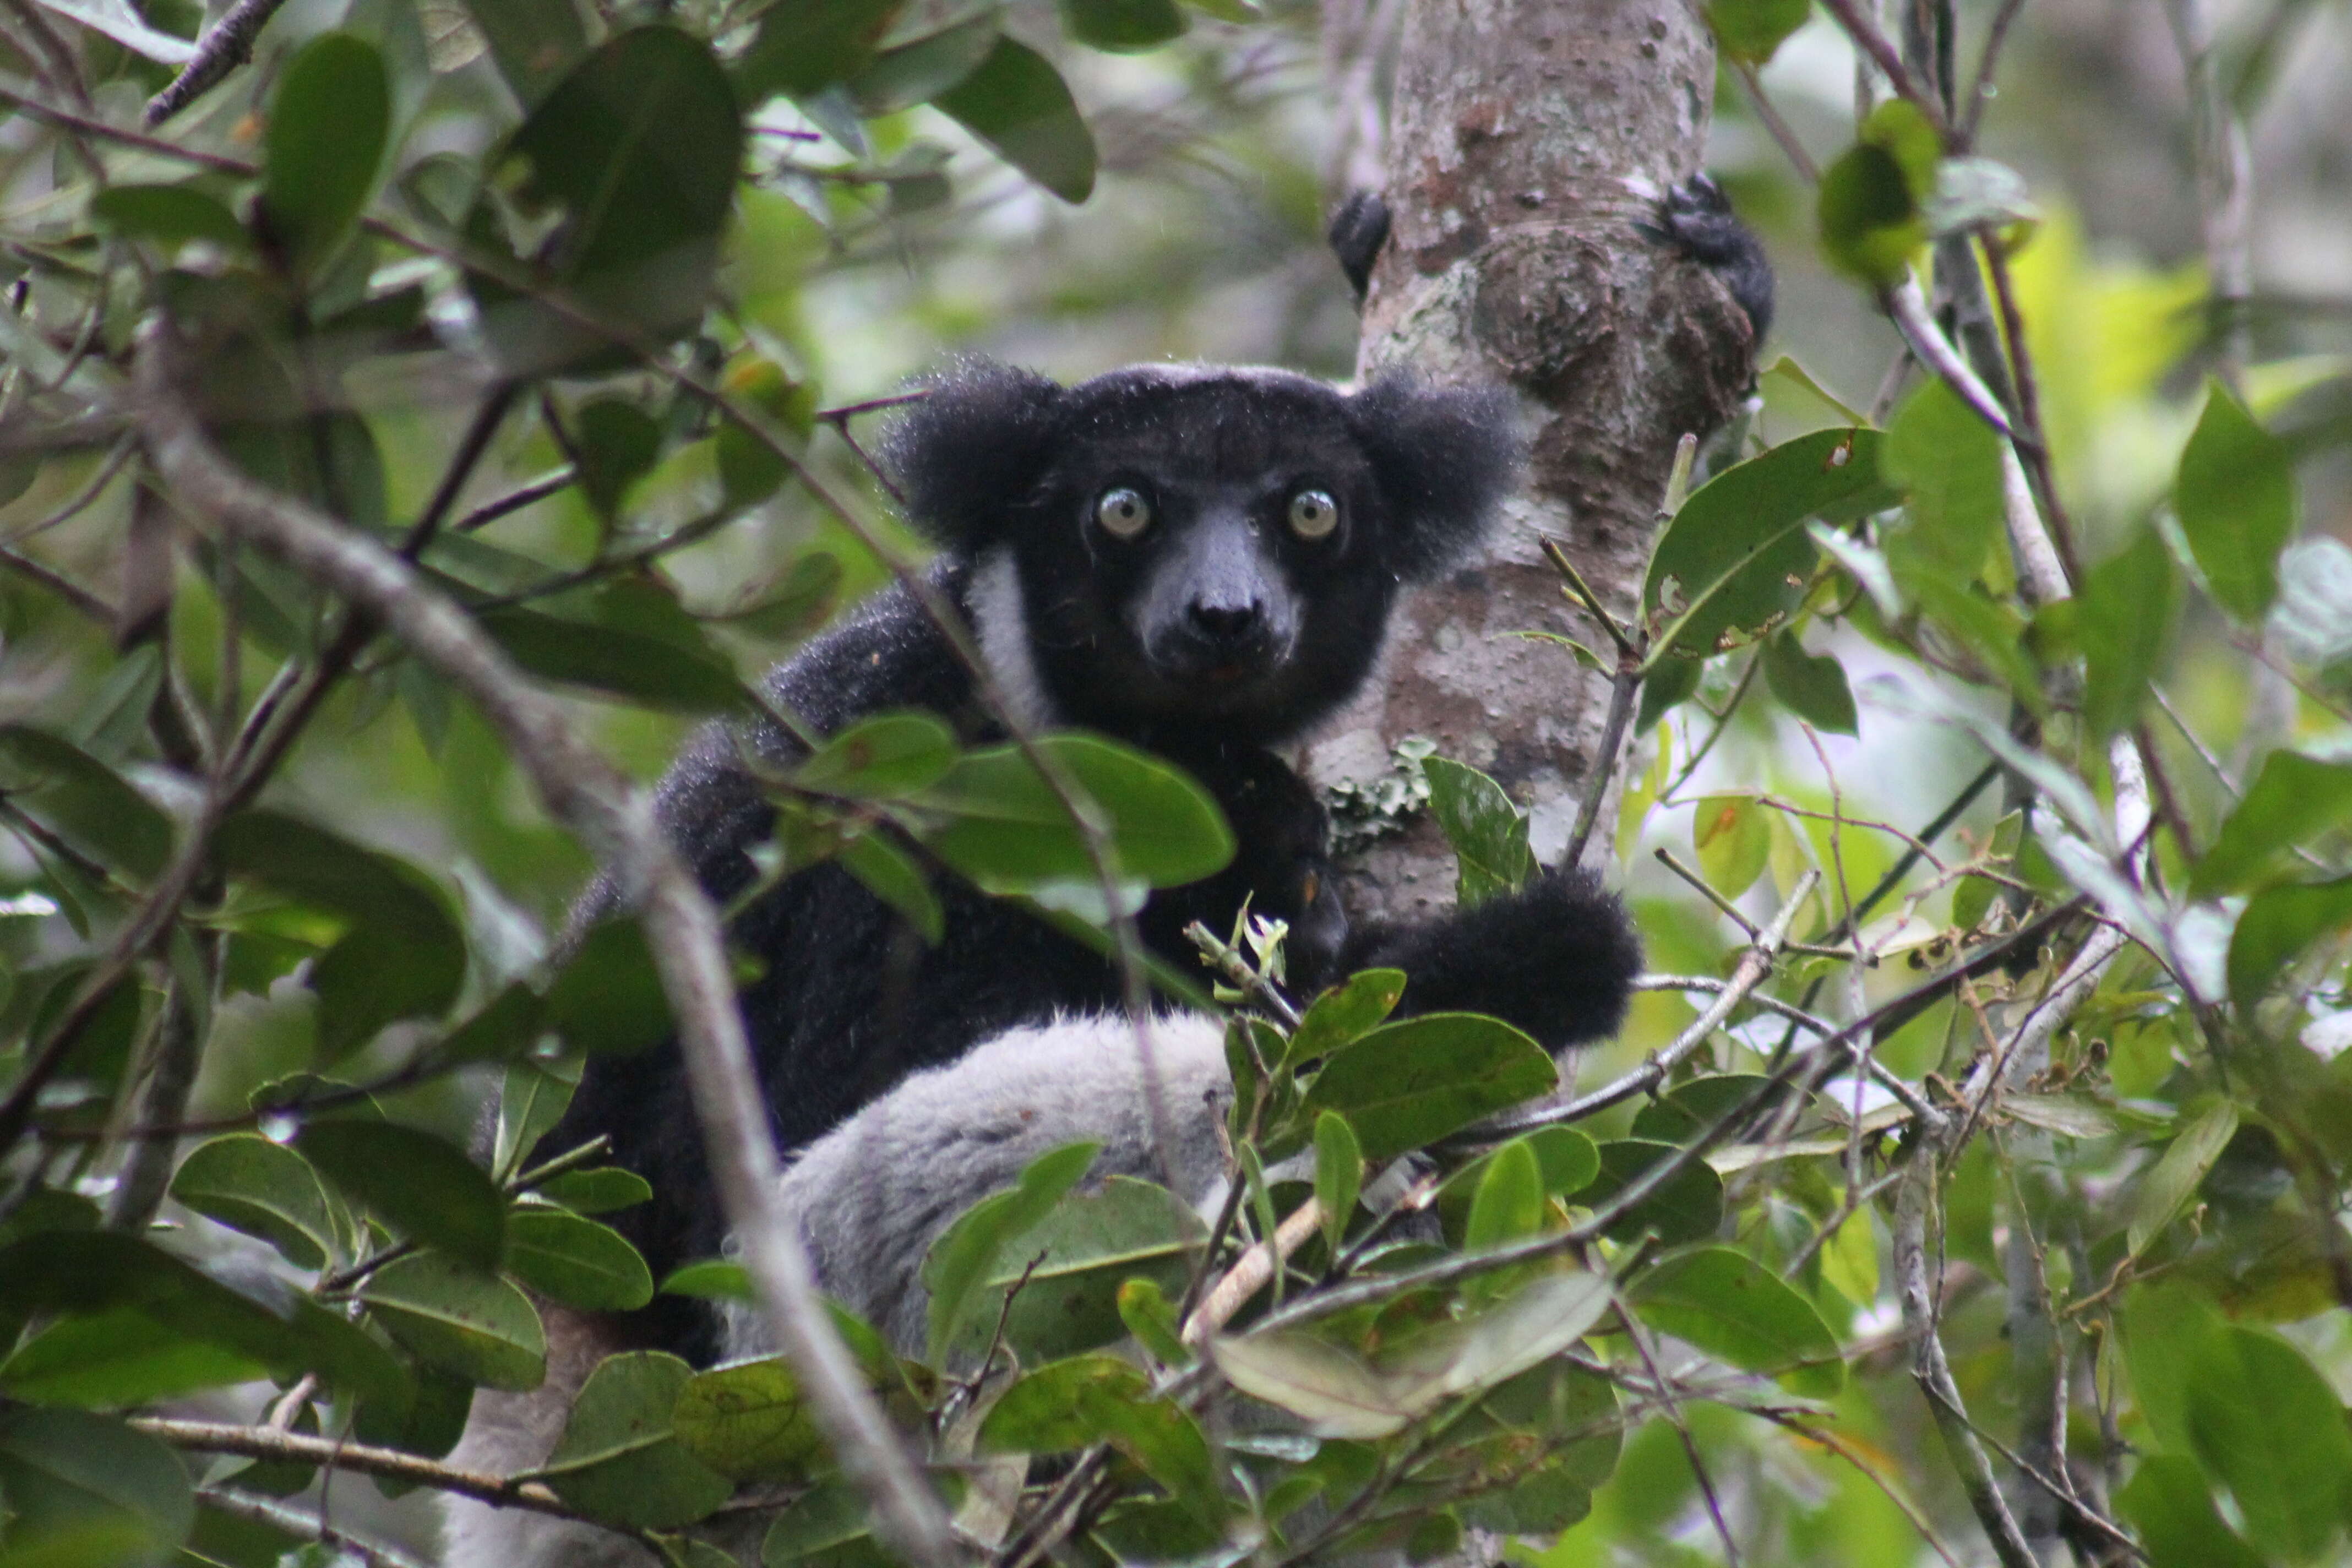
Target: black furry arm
<point>1557,958</point>
<point>1357,231</point>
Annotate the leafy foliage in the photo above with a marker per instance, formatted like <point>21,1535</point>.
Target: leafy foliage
<point>549,297</point>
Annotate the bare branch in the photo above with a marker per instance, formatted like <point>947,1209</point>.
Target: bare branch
<point>582,790</point>
<point>226,44</point>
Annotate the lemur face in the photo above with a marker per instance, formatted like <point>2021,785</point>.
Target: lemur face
<point>1165,547</point>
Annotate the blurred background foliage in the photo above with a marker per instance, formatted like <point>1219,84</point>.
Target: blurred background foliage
<point>873,238</point>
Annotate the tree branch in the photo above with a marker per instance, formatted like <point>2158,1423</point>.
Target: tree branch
<point>582,790</point>
<point>226,44</point>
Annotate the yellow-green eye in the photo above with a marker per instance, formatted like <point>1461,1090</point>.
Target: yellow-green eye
<point>1123,512</point>
<point>1313,514</point>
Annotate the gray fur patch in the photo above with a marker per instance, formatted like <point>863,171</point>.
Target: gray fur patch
<point>873,1194</point>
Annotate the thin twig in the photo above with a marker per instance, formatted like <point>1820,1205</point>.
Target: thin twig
<point>1782,131</point>
<point>1755,965</point>
<point>553,483</point>
<point>297,1521</point>
<point>1980,92</point>
<point>74,505</point>
<point>1871,41</point>
<point>1250,1271</point>
<point>225,45</point>
<point>301,1448</point>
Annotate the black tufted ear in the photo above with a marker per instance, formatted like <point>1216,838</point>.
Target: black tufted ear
<point>1444,456</point>
<point>974,447</point>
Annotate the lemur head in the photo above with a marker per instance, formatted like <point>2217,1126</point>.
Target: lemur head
<point>1171,546</point>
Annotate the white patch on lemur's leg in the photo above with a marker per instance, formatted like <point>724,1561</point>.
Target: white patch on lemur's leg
<point>872,1196</point>
<point>510,1432</point>
<point>1000,619</point>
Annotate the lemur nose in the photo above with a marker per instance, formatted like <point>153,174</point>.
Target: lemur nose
<point>1225,623</point>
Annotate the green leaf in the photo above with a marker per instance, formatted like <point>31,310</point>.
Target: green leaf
<point>825,1527</point>
<point>1673,682</point>
<point>2159,1195</point>
<point>1339,1175</point>
<point>416,1183</point>
<point>1096,1398</point>
<point>1734,840</point>
<point>86,1489</point>
<point>120,21</point>
<point>404,955</point>
<point>2274,928</point>
<point>710,1280</point>
<point>1736,1310</point>
<point>91,1272</point>
<point>1736,556</point>
<point>616,661</point>
<point>329,119</point>
<point>618,444</point>
<point>532,42</point>
<point>1749,32</point>
<point>2294,800</point>
<point>1329,1386</point>
<point>913,72</point>
<point>887,757</point>
<point>1950,462</point>
<point>1017,104</point>
<point>2171,1510</point>
<point>960,1259</point>
<point>508,1026</point>
<point>749,1422</point>
<point>620,1461</point>
<point>1406,1085</point>
<point>532,1099</point>
<point>804,46</point>
<point>118,1360</point>
<point>1814,688</point>
<point>1509,1204</point>
<point>2235,497</point>
<point>2122,620</point>
<point>1151,1318</point>
<point>576,1261</point>
<point>2267,1425</point>
<point>1009,833</point>
<point>474,1324</point>
<point>1688,1207</point>
<point>248,1182</point>
<point>1341,1015</point>
<point>599,1191</point>
<point>1075,1259</point>
<point>83,801</point>
<point>1973,899</point>
<point>1539,1320</point>
<point>1121,25</point>
<point>607,999</point>
<point>1873,198</point>
<point>792,604</point>
<point>891,875</point>
<point>169,217</point>
<point>637,150</point>
<point>1489,834</point>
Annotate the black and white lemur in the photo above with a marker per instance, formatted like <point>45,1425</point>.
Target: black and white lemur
<point>1196,560</point>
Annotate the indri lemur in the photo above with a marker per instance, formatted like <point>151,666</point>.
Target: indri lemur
<point>1197,561</point>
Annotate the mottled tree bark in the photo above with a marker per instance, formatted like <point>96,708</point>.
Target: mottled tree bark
<point>1528,141</point>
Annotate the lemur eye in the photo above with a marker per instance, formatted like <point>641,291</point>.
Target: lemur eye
<point>1123,512</point>
<point>1313,514</point>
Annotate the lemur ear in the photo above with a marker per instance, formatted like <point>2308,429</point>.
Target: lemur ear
<point>971,450</point>
<point>1444,456</point>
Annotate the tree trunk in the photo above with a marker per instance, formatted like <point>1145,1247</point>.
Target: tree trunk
<point>1528,140</point>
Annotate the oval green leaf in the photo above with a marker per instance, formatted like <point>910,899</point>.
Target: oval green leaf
<point>576,1261</point>
<point>1406,1085</point>
<point>248,1182</point>
<point>328,122</point>
<point>417,1184</point>
<point>1736,1310</point>
<point>460,1320</point>
<point>620,1461</point>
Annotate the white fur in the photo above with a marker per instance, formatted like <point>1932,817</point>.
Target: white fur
<point>873,1194</point>
<point>1000,618</point>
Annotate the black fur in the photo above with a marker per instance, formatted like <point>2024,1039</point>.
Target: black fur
<point>1005,469</point>
<point>1357,231</point>
<point>1699,219</point>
